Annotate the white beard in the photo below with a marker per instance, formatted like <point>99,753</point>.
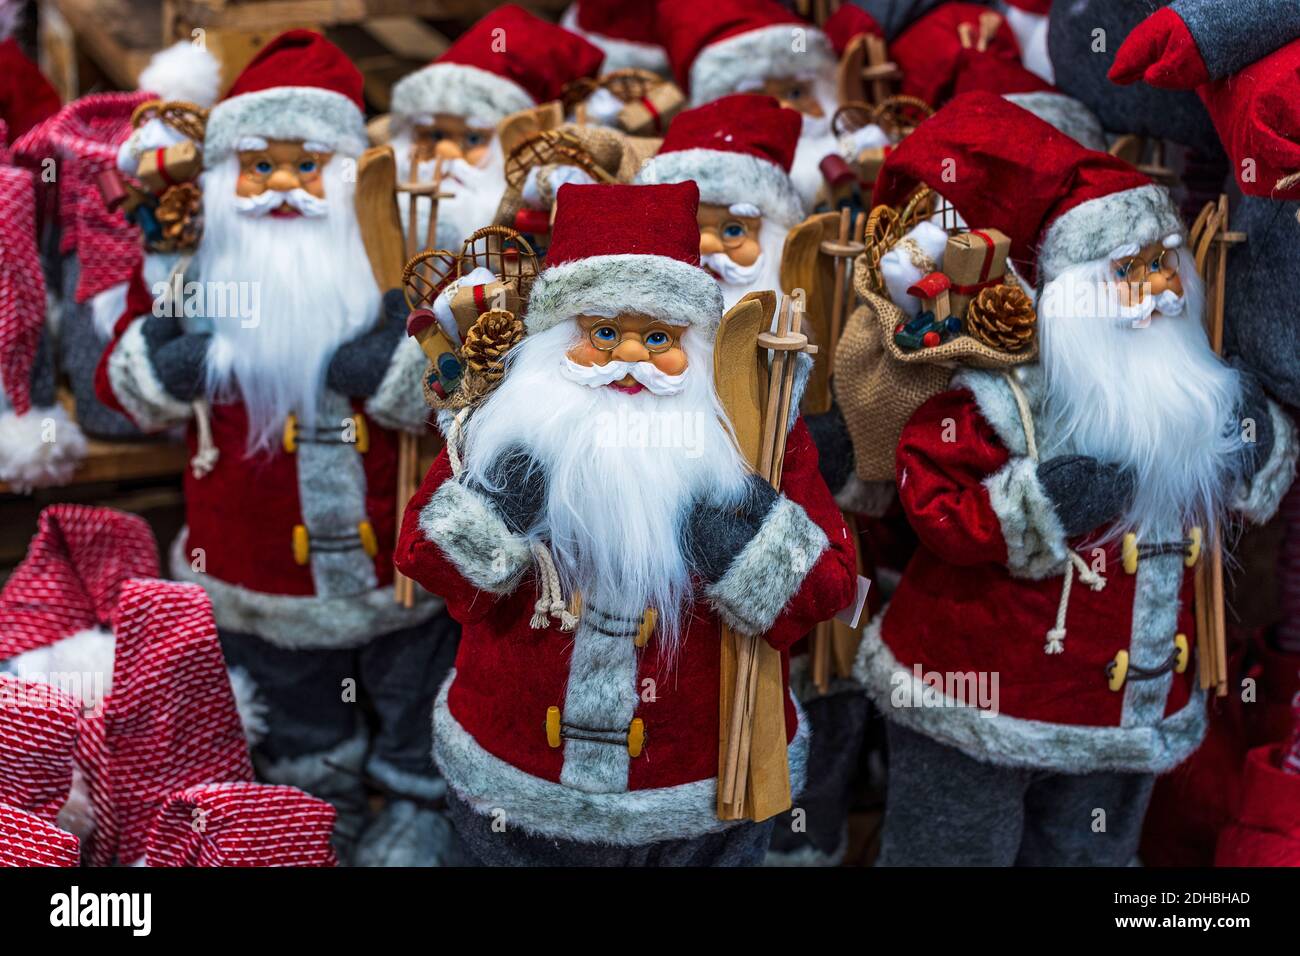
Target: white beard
<point>475,198</point>
<point>622,472</point>
<point>736,281</point>
<point>311,281</point>
<point>1153,398</point>
<point>816,142</point>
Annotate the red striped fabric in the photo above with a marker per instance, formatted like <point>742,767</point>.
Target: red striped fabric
<point>29,840</point>
<point>22,284</point>
<point>242,824</point>
<point>38,730</point>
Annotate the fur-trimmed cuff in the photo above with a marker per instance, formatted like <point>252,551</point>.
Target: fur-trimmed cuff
<point>136,384</point>
<point>747,59</point>
<point>1033,534</point>
<point>1258,499</point>
<point>769,570</point>
<point>656,286</point>
<point>398,402</point>
<point>1093,229</point>
<point>469,531</point>
<point>39,448</point>
<point>482,98</point>
<point>725,178</point>
<point>305,113</point>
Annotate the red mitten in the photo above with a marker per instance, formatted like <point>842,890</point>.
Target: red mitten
<point>29,840</point>
<point>1161,51</point>
<point>1266,831</point>
<point>933,52</point>
<point>847,24</point>
<point>242,824</point>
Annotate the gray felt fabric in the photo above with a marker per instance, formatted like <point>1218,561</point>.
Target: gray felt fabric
<point>1085,492</point>
<point>359,366</point>
<point>835,457</point>
<point>1254,408</point>
<point>179,363</point>
<point>943,808</point>
<point>1232,34</point>
<point>715,536</point>
<point>895,15</point>
<point>518,489</point>
<point>1260,320</point>
<point>80,348</point>
<point>318,740</point>
<point>42,378</point>
<point>1137,108</point>
<point>741,845</point>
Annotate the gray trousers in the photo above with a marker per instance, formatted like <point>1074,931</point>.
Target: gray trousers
<point>741,845</point>
<point>317,736</point>
<point>943,808</point>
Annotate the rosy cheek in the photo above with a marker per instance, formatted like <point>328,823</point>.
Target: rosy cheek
<point>247,186</point>
<point>745,254</point>
<point>672,362</point>
<point>584,353</point>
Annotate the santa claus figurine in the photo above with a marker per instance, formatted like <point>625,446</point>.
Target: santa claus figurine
<point>447,112</point>
<point>738,150</point>
<point>303,376</point>
<point>757,46</point>
<point>1036,664</point>
<point>582,727</point>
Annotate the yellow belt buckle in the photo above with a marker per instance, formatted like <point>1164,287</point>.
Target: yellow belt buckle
<point>301,544</point>
<point>647,628</point>
<point>1194,551</point>
<point>1129,551</point>
<point>369,543</point>
<point>362,431</point>
<point>289,439</point>
<point>635,737</point>
<point>1184,653</point>
<point>553,739</point>
<point>1118,671</point>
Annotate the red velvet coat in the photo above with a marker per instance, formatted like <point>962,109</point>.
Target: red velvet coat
<point>985,586</point>
<point>490,720</point>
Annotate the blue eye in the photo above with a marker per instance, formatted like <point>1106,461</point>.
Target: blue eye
<point>605,333</point>
<point>473,139</point>
<point>656,338</point>
<point>1121,271</point>
<point>307,166</point>
<point>263,167</point>
<point>733,230</point>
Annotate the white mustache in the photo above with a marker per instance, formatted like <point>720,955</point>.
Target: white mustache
<point>1168,303</point>
<point>649,375</point>
<point>299,199</point>
<point>731,271</point>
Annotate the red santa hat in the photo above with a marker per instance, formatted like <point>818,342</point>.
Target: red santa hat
<point>26,96</point>
<point>1067,114</point>
<point>298,87</point>
<point>72,575</point>
<point>243,824</point>
<point>732,46</point>
<point>617,248</point>
<point>1001,167</point>
<point>507,62</point>
<point>38,731</point>
<point>623,29</point>
<point>39,445</point>
<point>736,149</point>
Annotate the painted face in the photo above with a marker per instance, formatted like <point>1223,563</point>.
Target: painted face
<point>796,94</point>
<point>281,166</point>
<point>1149,273</point>
<point>736,236</point>
<point>450,137</point>
<point>629,337</point>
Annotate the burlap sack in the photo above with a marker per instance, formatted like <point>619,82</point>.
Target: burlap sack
<point>879,386</point>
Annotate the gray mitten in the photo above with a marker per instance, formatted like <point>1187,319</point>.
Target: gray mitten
<point>714,536</point>
<point>518,489</point>
<point>1085,492</point>
<point>178,357</point>
<point>1254,409</point>
<point>359,366</point>
<point>835,457</point>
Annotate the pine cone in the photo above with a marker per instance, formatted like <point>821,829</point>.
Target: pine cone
<point>1002,317</point>
<point>494,334</point>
